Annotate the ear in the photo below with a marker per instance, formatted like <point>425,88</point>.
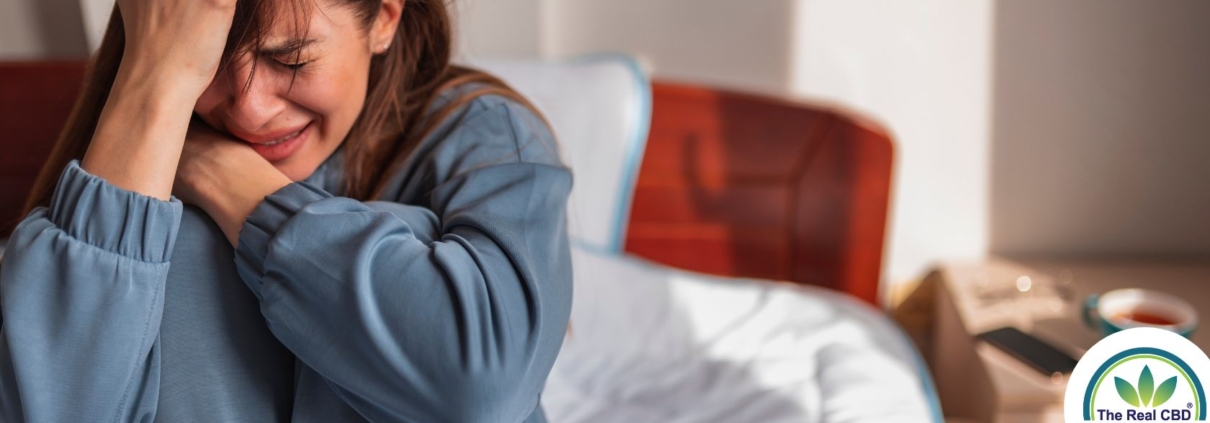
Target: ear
<point>382,31</point>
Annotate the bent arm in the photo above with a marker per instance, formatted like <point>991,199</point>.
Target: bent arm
<point>81,291</point>
<point>412,317</point>
<point>453,311</point>
<point>170,53</point>
<point>140,133</point>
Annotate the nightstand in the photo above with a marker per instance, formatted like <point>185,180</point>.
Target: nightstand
<point>978,382</point>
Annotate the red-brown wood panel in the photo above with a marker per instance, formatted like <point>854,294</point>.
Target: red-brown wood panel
<point>752,186</point>
<point>35,99</point>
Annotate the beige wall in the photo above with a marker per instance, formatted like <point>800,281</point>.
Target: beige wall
<point>38,29</point>
<point>709,41</point>
<point>500,28</point>
<point>721,42</point>
<point>1100,138</point>
<point>483,28</point>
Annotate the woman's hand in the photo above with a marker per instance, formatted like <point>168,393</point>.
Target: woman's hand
<point>172,51</point>
<point>180,41</point>
<point>224,177</point>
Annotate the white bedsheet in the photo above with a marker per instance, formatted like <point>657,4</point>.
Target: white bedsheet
<point>654,344</point>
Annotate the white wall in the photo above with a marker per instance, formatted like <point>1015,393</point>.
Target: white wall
<point>1101,144</point>
<point>923,69</point>
<point>96,19</point>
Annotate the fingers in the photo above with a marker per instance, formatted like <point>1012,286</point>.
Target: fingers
<point>178,40</point>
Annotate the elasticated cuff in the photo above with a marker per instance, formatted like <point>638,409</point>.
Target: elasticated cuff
<point>90,209</point>
<point>264,223</point>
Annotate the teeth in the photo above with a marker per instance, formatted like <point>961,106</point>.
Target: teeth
<point>281,140</point>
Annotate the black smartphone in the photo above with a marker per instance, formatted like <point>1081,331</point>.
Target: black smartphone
<point>1033,351</point>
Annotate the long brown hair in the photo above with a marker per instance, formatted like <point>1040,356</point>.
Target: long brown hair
<point>403,85</point>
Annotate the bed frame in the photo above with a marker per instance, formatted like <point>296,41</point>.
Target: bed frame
<point>730,184</point>
<point>754,186</point>
<point>35,99</point>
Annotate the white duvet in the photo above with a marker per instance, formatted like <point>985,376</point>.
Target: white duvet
<point>654,344</point>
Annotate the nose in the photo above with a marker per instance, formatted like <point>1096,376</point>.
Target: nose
<point>254,98</point>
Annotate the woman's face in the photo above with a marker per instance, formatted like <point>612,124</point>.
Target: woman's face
<point>306,92</point>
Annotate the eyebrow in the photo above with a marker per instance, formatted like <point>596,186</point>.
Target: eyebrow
<point>291,46</point>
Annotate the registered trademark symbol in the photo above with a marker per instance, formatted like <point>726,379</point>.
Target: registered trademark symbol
<point>1189,405</point>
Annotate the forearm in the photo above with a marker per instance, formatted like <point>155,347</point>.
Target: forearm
<point>397,303</point>
<point>82,291</point>
<point>236,202</point>
<point>229,189</point>
<point>139,136</point>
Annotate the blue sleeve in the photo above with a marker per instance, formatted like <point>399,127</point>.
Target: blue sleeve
<point>452,312</point>
<point>81,291</point>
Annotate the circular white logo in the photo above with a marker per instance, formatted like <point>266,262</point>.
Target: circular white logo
<point>1140,374</point>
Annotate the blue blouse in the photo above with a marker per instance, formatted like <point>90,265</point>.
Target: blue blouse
<point>446,301</point>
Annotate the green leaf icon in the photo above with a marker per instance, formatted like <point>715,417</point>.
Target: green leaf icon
<point>1146,386</point>
<point>1126,391</point>
<point>1164,392</point>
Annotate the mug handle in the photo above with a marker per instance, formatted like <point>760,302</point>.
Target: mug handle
<point>1090,306</point>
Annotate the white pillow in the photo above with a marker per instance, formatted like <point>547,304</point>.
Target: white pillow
<point>600,110</point>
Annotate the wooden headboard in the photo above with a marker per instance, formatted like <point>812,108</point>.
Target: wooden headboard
<point>730,184</point>
<point>35,99</point>
<point>745,185</point>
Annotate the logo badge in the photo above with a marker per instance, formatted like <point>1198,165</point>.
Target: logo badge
<point>1141,374</point>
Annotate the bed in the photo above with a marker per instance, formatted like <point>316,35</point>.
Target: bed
<point>727,250</point>
<point>652,343</point>
<point>726,246</point>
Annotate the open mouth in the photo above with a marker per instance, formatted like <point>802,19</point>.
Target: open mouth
<point>281,147</point>
<point>285,138</point>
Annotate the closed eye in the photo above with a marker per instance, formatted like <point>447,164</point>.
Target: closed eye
<point>293,66</point>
